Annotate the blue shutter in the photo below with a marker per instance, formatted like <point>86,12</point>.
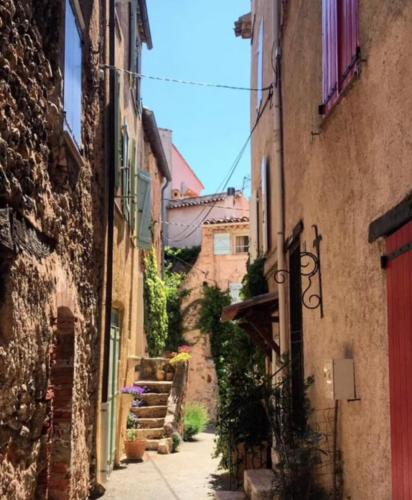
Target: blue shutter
<point>144,214</point>
<point>73,76</point>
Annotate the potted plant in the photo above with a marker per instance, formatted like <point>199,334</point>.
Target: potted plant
<point>134,447</point>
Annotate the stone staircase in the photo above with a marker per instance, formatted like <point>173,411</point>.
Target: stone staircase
<point>257,485</point>
<point>152,414</point>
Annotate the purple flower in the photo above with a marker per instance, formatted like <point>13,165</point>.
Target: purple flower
<point>133,389</point>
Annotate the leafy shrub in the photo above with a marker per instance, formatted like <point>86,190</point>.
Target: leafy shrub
<point>254,281</point>
<point>156,318</point>
<point>176,441</point>
<point>131,434</point>
<point>195,420</point>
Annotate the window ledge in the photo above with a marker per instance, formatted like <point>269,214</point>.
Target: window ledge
<point>330,110</point>
<point>73,148</point>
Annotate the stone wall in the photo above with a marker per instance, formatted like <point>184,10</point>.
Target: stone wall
<point>51,230</point>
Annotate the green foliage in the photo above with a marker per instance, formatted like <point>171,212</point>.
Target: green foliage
<point>254,282</point>
<point>156,318</point>
<point>297,444</point>
<point>174,296</point>
<point>195,420</point>
<point>241,378</point>
<point>131,434</point>
<point>181,259</point>
<point>132,421</point>
<point>176,441</point>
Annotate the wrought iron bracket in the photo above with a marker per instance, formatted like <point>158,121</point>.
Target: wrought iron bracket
<point>309,268</point>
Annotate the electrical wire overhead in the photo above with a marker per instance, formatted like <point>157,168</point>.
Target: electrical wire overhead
<point>233,167</point>
<point>184,82</point>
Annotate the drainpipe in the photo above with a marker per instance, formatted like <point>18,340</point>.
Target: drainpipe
<point>110,134</point>
<point>165,229</point>
<point>279,178</point>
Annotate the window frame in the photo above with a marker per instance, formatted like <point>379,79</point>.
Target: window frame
<point>341,17</point>
<point>125,169</point>
<point>76,136</point>
<point>229,241</point>
<point>259,64</point>
<point>236,246</point>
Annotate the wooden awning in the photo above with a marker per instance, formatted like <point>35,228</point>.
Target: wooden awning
<point>256,316</point>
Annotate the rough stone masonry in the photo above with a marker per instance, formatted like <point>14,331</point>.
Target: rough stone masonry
<point>51,240</point>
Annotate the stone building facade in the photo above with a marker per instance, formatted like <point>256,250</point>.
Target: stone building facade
<point>51,239</point>
<point>139,171</point>
<point>334,192</point>
<point>221,262</point>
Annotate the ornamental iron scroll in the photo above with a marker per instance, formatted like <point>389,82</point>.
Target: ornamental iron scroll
<point>309,267</point>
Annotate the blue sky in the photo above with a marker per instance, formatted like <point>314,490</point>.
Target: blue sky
<point>194,40</point>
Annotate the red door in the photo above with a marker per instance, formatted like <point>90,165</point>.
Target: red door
<point>399,268</point>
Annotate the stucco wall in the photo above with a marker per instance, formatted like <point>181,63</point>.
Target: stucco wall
<point>185,223</point>
<point>356,169</point>
<point>219,270</point>
<point>54,226</point>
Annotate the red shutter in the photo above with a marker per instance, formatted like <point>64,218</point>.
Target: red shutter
<point>348,29</point>
<point>330,53</point>
<point>399,278</point>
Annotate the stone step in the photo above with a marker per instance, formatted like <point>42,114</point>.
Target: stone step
<point>152,444</point>
<point>154,398</point>
<point>154,433</point>
<point>229,495</point>
<point>150,411</point>
<point>258,484</point>
<point>151,423</point>
<point>155,385</point>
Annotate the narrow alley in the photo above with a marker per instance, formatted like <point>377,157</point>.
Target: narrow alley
<point>191,474</point>
<point>205,223</point>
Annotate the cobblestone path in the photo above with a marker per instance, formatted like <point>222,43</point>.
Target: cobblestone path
<point>189,474</point>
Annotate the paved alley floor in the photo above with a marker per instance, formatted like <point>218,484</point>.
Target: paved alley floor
<point>189,474</point>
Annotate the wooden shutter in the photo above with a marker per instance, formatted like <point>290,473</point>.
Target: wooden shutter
<point>144,212</point>
<point>348,28</point>
<point>117,130</point>
<point>263,183</point>
<point>133,185</point>
<point>126,173</point>
<point>259,93</point>
<point>399,283</point>
<point>330,54</point>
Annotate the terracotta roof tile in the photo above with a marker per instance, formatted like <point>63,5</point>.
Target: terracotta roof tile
<point>227,220</point>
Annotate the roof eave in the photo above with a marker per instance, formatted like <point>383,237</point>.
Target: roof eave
<point>152,132</point>
<point>145,23</point>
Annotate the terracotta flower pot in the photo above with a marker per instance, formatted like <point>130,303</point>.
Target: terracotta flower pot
<point>135,449</point>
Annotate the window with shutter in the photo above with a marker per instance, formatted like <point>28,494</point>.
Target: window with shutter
<point>126,173</point>
<point>117,130</point>
<point>222,244</point>
<point>133,185</point>
<point>144,210</point>
<point>340,44</point>
<point>259,93</point>
<point>73,59</point>
<point>263,180</point>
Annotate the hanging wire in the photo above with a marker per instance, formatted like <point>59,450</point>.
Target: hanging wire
<point>184,82</point>
<point>232,169</point>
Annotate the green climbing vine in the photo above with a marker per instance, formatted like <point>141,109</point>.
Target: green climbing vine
<point>175,294</point>
<point>242,418</point>
<point>254,281</point>
<point>156,318</point>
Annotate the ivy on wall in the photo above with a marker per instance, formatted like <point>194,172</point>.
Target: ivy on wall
<point>175,295</point>
<point>156,318</point>
<point>254,281</point>
<point>241,379</point>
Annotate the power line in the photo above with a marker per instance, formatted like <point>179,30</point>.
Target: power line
<point>234,166</point>
<point>184,82</point>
